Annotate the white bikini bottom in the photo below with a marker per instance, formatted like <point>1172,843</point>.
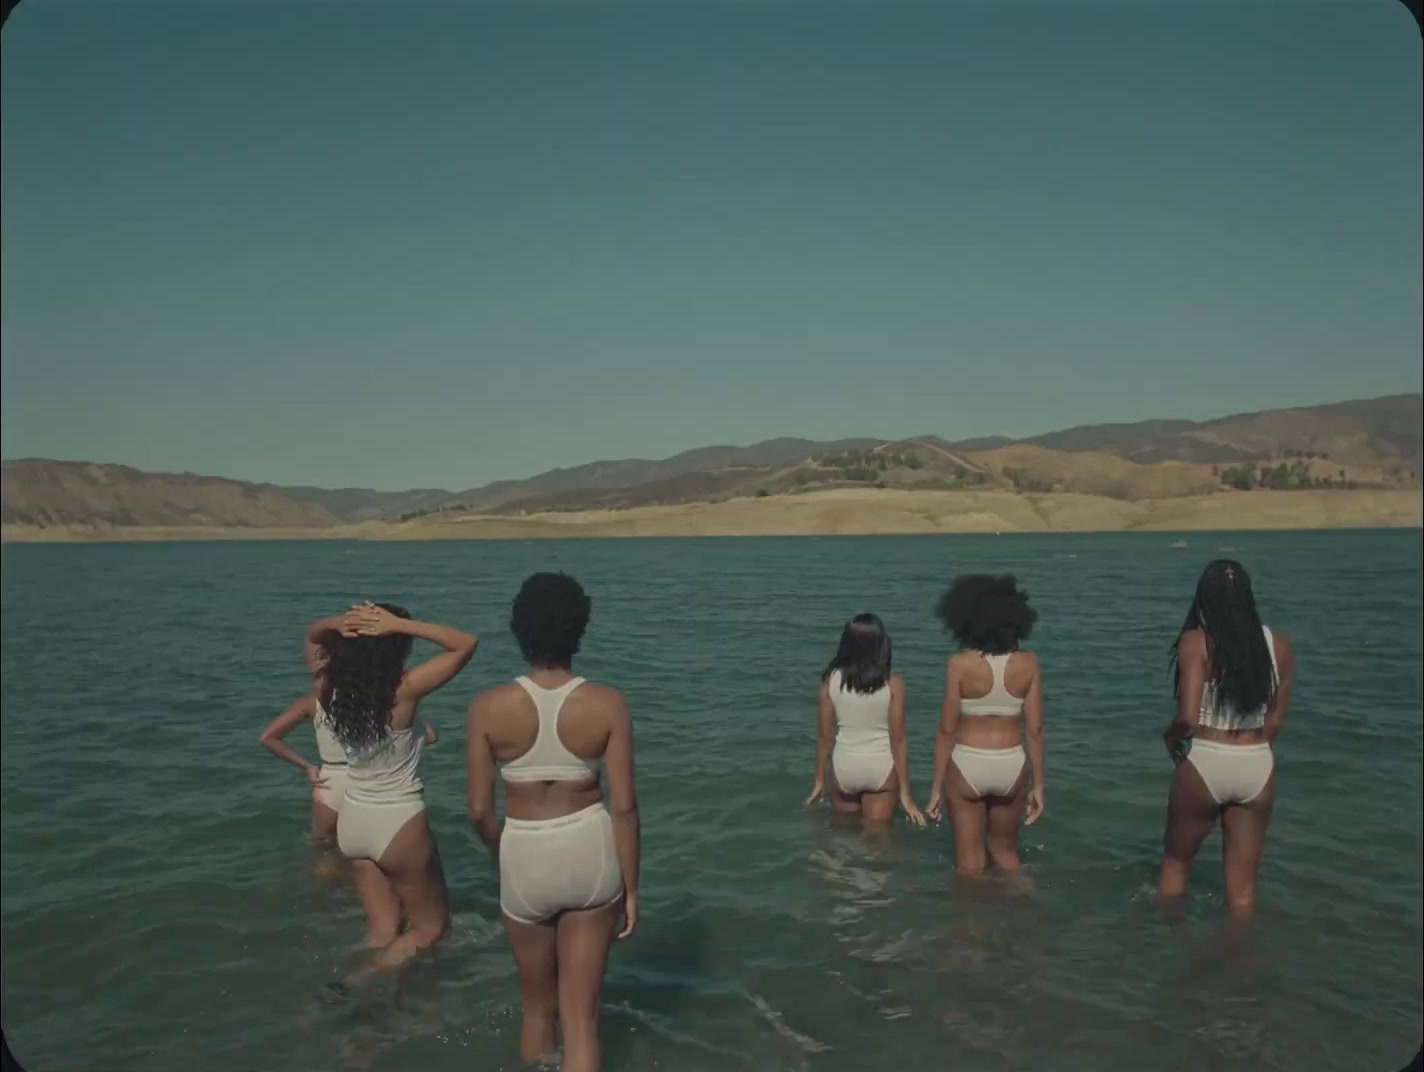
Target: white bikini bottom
<point>990,772</point>
<point>1233,773</point>
<point>861,772</point>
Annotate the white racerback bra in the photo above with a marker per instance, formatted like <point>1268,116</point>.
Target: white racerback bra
<point>998,700</point>
<point>549,760</point>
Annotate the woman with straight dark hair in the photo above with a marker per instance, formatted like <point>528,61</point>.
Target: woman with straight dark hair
<point>861,727</point>
<point>993,691</point>
<point>1232,676</point>
<point>568,864</point>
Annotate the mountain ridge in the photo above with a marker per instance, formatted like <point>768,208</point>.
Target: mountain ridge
<point>1363,443</point>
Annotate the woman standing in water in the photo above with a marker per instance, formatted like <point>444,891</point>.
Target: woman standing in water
<point>328,781</point>
<point>991,688</point>
<point>1232,679</point>
<point>861,727</point>
<point>566,866</point>
<point>369,699</point>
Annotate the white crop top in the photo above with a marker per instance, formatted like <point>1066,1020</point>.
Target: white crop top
<point>1215,715</point>
<point>549,760</point>
<point>998,700</point>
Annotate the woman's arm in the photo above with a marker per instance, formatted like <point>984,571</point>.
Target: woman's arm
<point>1285,661</point>
<point>1191,681</point>
<point>825,739</point>
<point>479,758</point>
<point>900,749</point>
<point>623,800</point>
<point>1033,734</point>
<point>273,738</point>
<point>431,736</point>
<point>320,635</point>
<point>430,675</point>
<point>944,739</point>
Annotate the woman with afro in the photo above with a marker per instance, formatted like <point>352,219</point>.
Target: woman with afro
<point>993,698</point>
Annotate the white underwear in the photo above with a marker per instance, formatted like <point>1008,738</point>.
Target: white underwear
<point>548,866</point>
<point>364,831</point>
<point>1233,773</point>
<point>990,772</point>
<point>861,772</point>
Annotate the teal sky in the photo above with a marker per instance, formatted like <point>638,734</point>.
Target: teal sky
<point>438,243</point>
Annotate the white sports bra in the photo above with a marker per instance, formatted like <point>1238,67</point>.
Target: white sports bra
<point>548,760</point>
<point>998,700</point>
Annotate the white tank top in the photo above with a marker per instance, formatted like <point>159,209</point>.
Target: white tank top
<point>549,760</point>
<point>1220,716</point>
<point>998,700</point>
<point>862,718</point>
<point>327,746</point>
<point>385,772</point>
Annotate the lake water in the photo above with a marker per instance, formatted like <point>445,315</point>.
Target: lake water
<point>160,911</point>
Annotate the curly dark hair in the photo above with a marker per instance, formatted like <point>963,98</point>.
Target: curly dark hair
<point>548,619</point>
<point>1224,608</point>
<point>988,614</point>
<point>359,682</point>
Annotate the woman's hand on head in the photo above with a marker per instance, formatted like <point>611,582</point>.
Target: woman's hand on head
<point>369,620</point>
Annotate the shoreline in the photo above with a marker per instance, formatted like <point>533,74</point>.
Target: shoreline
<point>843,512</point>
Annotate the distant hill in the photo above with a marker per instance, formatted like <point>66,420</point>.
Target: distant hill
<point>44,493</point>
<point>1372,443</point>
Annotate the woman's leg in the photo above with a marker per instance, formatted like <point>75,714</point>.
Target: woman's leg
<point>1243,837</point>
<point>1191,813</point>
<point>383,909</point>
<point>412,865</point>
<point>968,814</point>
<point>583,940</point>
<point>1005,817</point>
<point>535,949</point>
<point>843,802</point>
<point>879,806</point>
<point>323,822</point>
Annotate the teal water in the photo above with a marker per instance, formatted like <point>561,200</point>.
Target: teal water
<point>159,910</point>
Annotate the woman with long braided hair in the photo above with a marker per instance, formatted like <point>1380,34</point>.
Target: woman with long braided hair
<point>368,699</point>
<point>1232,679</point>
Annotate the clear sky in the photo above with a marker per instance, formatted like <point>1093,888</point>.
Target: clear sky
<point>436,243</point>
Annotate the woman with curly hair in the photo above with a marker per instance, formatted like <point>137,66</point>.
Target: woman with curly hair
<point>369,700</point>
<point>567,867</point>
<point>328,777</point>
<point>1232,676</point>
<point>861,727</point>
<point>991,688</point>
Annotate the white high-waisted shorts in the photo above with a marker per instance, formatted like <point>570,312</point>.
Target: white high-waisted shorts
<point>861,772</point>
<point>990,772</point>
<point>548,866</point>
<point>1233,773</point>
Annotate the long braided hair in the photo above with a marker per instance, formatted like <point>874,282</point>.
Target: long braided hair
<point>1224,609</point>
<point>359,682</point>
